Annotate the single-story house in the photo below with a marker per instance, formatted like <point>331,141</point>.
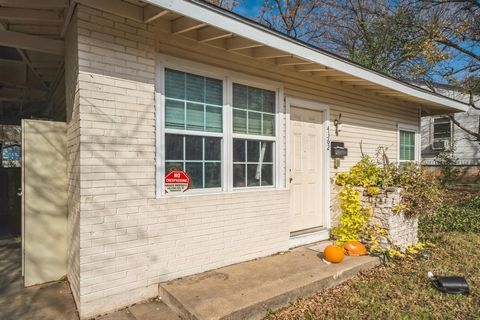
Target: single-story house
<point>259,121</point>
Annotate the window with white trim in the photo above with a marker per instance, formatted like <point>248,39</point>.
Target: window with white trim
<point>194,127</point>
<point>195,131</point>
<point>253,135</point>
<point>407,145</point>
<point>442,128</point>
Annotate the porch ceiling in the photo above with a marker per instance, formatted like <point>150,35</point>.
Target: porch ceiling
<point>31,52</point>
<point>215,27</point>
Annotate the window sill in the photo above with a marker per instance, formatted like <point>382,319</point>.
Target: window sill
<point>217,192</point>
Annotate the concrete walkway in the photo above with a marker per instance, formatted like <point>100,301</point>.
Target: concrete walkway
<point>45,302</point>
<point>54,301</point>
<point>248,290</point>
<point>242,291</point>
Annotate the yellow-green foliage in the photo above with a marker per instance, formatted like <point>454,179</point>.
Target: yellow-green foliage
<point>373,191</point>
<point>354,218</point>
<point>372,234</point>
<point>399,208</point>
<point>363,174</point>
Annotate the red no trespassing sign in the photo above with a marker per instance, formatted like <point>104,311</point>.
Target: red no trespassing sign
<point>177,181</point>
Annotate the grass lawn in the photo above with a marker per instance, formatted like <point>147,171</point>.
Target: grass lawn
<point>401,289</point>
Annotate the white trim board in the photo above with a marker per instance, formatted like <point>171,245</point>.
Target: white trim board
<point>235,25</point>
<point>303,239</point>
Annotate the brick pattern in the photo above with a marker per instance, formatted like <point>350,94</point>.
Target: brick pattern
<point>129,240</point>
<point>402,229</point>
<point>73,158</point>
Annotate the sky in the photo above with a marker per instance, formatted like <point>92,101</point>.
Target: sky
<point>252,9</point>
<point>249,8</point>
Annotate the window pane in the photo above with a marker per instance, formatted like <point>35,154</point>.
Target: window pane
<point>214,92</point>
<point>238,150</point>
<point>173,147</point>
<point>169,166</point>
<point>174,114</point>
<point>267,151</point>
<point>214,119</point>
<point>412,139</point>
<point>268,101</point>
<point>195,91</point>
<point>268,124</point>
<point>239,96</point>
<point>213,149</point>
<point>267,175</point>
<point>254,123</point>
<point>259,163</point>
<point>193,148</point>
<point>239,121</point>
<point>253,175</point>
<point>441,128</point>
<point>195,172</point>
<point>255,99</point>
<point>239,175</point>
<point>195,119</point>
<point>253,151</point>
<point>213,175</point>
<point>174,84</point>
<point>195,88</point>
<point>407,146</point>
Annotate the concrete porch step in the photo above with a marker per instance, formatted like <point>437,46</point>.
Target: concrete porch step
<point>248,290</point>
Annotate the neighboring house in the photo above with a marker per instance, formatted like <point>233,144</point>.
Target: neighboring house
<point>439,134</point>
<point>11,155</point>
<point>247,112</point>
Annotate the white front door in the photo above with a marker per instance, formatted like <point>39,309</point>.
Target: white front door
<point>306,169</point>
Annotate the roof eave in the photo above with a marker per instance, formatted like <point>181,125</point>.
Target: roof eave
<point>217,17</point>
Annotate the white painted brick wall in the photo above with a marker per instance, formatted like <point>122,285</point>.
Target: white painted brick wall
<point>73,151</point>
<point>129,240</point>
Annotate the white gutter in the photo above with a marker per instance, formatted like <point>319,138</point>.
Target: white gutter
<point>204,13</point>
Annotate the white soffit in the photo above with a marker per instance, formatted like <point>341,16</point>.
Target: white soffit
<point>251,30</point>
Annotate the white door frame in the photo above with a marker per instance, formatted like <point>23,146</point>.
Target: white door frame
<point>325,109</point>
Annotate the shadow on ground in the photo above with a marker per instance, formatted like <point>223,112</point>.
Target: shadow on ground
<point>44,302</point>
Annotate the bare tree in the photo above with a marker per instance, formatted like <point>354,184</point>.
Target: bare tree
<point>454,25</point>
<point>301,19</point>
<point>226,4</point>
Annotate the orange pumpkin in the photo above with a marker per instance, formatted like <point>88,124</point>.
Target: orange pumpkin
<point>333,254</point>
<point>355,248</point>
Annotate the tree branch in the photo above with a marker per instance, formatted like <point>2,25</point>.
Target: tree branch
<point>476,135</point>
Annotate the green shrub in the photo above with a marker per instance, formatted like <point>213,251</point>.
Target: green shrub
<point>464,217</point>
<point>421,194</point>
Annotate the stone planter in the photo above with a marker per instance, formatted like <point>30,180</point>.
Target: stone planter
<point>402,229</point>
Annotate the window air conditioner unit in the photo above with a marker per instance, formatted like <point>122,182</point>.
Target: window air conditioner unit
<point>440,144</point>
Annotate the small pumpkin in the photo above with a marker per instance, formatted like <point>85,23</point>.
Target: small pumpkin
<point>333,254</point>
<point>355,248</point>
